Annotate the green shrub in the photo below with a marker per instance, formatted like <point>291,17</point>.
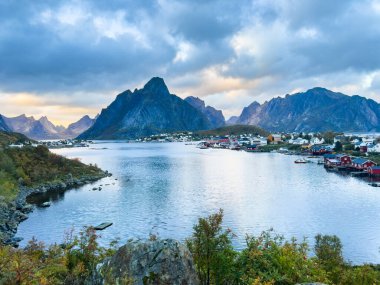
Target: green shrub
<point>212,251</point>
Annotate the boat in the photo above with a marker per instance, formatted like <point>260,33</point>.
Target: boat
<point>102,226</point>
<point>45,204</point>
<point>202,145</point>
<point>251,148</point>
<point>301,160</point>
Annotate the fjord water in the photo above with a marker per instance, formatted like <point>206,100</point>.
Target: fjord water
<point>164,188</point>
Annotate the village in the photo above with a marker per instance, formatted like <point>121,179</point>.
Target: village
<point>353,154</point>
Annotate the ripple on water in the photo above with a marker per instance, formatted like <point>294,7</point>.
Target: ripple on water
<point>164,188</point>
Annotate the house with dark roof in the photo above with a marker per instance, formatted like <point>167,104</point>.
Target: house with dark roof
<point>362,163</point>
<point>374,170</point>
<point>320,149</point>
<point>344,159</point>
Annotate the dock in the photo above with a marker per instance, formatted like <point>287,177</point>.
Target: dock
<point>102,226</point>
<point>359,174</point>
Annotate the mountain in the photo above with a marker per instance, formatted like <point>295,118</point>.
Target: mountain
<point>43,129</point>
<point>28,126</point>
<point>215,117</point>
<point>3,126</point>
<point>75,129</point>
<point>146,111</point>
<point>317,109</point>
<point>232,120</point>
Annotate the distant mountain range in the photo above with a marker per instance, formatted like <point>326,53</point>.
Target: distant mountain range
<point>317,109</point>
<point>42,128</point>
<point>151,110</point>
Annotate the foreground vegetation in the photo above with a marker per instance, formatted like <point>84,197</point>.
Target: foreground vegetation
<point>71,263</point>
<point>270,259</point>
<point>267,259</point>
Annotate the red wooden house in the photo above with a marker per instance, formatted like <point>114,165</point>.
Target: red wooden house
<point>362,163</point>
<point>344,159</point>
<point>374,170</point>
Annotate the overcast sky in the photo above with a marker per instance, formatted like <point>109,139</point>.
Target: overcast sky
<point>65,59</point>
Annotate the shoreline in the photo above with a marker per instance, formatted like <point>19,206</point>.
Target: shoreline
<point>14,212</point>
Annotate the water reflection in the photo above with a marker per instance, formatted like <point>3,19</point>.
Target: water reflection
<point>165,188</point>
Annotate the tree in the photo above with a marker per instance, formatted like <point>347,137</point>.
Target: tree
<point>328,250</point>
<point>338,146</point>
<point>349,147</point>
<point>212,250</point>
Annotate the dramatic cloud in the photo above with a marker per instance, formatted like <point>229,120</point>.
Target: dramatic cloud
<point>68,58</point>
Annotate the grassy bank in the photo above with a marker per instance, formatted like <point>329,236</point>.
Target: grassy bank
<point>31,166</point>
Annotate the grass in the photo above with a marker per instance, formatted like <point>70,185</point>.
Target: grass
<point>7,138</point>
<point>33,166</point>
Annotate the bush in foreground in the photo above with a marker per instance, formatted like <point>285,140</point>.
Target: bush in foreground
<point>270,259</point>
<point>267,259</point>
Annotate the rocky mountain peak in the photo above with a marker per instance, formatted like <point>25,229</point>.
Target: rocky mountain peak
<point>156,86</point>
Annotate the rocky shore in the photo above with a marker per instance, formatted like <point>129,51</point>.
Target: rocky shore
<point>14,212</point>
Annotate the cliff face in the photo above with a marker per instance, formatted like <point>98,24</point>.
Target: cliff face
<point>3,125</point>
<point>215,116</point>
<point>317,109</point>
<point>147,111</point>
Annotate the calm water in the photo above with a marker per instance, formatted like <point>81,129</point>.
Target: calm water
<point>164,188</point>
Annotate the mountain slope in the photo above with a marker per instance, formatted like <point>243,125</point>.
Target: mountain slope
<point>215,117</point>
<point>147,111</point>
<point>317,109</point>
<point>43,129</point>
<point>75,129</point>
<point>3,126</point>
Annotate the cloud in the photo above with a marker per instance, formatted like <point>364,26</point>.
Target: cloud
<point>79,54</point>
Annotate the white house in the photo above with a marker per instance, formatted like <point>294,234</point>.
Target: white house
<point>299,141</point>
<point>368,140</point>
<point>259,141</point>
<point>316,140</point>
<point>374,148</point>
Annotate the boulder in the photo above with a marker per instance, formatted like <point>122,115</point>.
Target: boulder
<point>156,262</point>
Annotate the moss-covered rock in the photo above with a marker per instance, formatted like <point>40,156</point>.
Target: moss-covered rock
<point>156,262</point>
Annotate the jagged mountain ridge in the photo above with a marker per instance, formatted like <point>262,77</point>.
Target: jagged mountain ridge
<point>215,116</point>
<point>146,111</point>
<point>43,129</point>
<point>317,109</point>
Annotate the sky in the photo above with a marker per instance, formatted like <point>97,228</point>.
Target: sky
<point>65,59</point>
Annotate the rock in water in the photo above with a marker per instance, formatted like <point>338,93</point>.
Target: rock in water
<point>152,262</point>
